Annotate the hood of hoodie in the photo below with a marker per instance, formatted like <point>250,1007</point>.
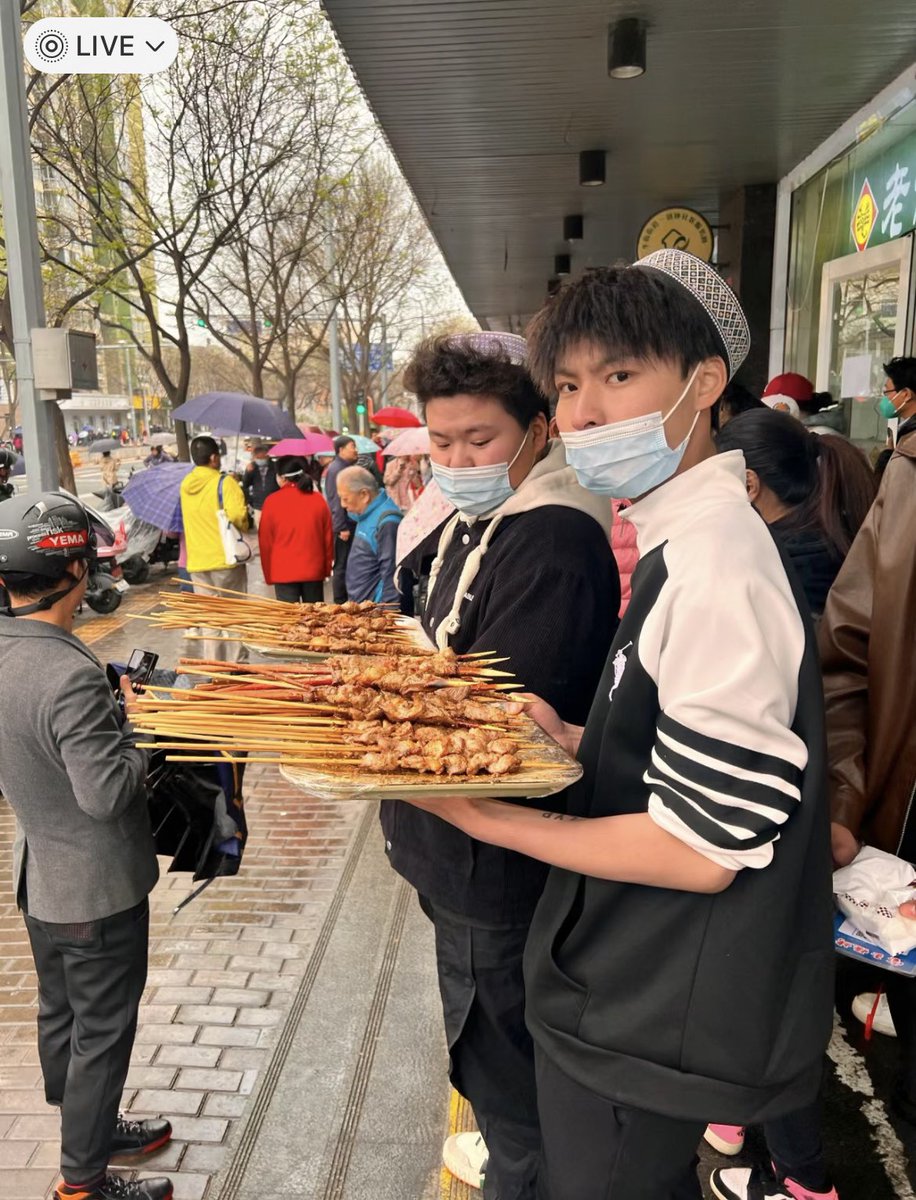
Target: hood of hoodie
<point>199,480</point>
<point>552,481</point>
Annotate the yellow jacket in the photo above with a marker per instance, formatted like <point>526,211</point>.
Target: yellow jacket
<point>199,506</point>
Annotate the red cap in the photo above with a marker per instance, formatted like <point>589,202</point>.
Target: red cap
<point>791,384</point>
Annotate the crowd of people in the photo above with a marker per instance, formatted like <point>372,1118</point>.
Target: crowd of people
<point>708,597</point>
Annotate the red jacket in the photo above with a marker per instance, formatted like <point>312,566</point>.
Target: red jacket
<point>294,534</point>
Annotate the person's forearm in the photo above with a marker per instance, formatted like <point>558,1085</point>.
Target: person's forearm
<point>629,848</point>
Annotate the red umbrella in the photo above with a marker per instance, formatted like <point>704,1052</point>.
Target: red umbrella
<point>396,418</point>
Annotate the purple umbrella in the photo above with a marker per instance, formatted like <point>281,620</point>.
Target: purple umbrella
<point>154,495</point>
<point>236,413</point>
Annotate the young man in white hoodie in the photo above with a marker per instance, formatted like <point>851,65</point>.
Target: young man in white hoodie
<point>679,966</point>
<point>524,570</point>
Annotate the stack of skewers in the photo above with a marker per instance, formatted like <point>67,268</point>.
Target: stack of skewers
<point>289,629</point>
<point>361,725</point>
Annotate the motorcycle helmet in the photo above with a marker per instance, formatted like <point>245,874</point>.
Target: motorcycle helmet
<point>39,535</point>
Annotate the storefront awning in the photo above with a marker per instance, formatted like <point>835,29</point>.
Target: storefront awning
<point>487,104</point>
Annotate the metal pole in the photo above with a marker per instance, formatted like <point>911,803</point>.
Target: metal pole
<point>333,341</point>
<point>384,363</point>
<point>20,231</point>
<point>130,386</point>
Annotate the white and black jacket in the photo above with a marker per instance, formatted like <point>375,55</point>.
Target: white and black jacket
<point>709,717</point>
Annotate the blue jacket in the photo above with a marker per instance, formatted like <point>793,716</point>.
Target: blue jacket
<point>370,565</point>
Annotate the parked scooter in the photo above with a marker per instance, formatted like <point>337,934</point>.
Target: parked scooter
<point>106,584</point>
<point>146,545</point>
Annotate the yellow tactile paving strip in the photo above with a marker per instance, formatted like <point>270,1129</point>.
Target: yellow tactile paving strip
<point>460,1120</point>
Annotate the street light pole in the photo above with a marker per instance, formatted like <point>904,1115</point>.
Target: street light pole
<point>384,363</point>
<point>333,340</point>
<point>20,232</point>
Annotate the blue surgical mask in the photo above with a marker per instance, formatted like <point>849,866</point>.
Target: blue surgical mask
<point>477,490</point>
<point>626,459</point>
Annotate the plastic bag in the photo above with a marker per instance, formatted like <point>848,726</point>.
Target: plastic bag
<point>869,892</point>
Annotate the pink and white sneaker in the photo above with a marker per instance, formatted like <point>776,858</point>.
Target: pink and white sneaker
<point>742,1183</point>
<point>727,1139</point>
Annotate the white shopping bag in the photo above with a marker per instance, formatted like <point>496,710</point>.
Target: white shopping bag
<point>869,892</point>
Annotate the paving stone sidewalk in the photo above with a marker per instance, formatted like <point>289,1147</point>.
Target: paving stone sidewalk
<point>222,975</point>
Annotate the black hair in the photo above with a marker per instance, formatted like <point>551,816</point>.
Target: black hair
<point>32,587</point>
<point>823,478</point>
<point>902,373</point>
<point>630,313</point>
<point>202,450</point>
<point>291,464</point>
<point>340,442</point>
<point>447,366</point>
<point>735,400</point>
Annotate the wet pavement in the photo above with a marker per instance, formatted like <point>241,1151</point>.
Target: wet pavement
<point>291,1028</point>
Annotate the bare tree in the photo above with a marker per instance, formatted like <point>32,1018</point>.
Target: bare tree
<point>269,296</point>
<point>226,117</point>
<point>390,254</point>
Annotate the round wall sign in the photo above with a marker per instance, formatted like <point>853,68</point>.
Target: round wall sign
<point>677,229</point>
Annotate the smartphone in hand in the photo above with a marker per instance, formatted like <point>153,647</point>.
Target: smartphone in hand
<point>140,667</point>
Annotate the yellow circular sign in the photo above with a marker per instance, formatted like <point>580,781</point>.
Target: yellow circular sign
<point>677,229</point>
<point>865,217</point>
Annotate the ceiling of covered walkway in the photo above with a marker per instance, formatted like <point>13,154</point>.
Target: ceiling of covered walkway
<point>487,104</point>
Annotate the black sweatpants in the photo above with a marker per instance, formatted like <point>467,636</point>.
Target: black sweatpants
<point>491,1052</point>
<point>90,980</point>
<point>339,573</point>
<point>594,1149</point>
<point>309,592</point>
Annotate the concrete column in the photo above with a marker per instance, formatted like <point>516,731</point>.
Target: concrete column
<point>746,252</point>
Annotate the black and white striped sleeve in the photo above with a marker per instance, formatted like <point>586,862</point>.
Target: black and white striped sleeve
<point>726,768</point>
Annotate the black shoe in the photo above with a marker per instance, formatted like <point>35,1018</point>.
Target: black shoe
<point>115,1188</point>
<point>139,1137</point>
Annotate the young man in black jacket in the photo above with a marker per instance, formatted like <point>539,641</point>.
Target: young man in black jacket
<point>524,569</point>
<point>345,455</point>
<point>679,969</point>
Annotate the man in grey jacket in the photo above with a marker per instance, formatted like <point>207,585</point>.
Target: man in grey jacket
<point>84,861</point>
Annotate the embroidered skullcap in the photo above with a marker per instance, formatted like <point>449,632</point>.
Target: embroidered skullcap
<point>489,341</point>
<point>718,300</point>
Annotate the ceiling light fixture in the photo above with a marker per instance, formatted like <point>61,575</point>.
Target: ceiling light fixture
<point>562,264</point>
<point>573,227</point>
<point>553,286</point>
<point>626,49</point>
<point>592,168</point>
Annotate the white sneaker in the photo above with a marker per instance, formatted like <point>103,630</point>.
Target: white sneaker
<point>465,1155</point>
<point>883,1021</point>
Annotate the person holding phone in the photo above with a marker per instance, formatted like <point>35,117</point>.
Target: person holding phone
<point>84,861</point>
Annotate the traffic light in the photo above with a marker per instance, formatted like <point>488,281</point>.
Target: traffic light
<point>360,402</point>
<point>201,322</point>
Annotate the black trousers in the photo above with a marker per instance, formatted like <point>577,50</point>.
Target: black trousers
<point>90,980</point>
<point>339,573</point>
<point>490,1048</point>
<point>901,998</point>
<point>309,592</point>
<point>595,1149</point>
<point>797,1149</point>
